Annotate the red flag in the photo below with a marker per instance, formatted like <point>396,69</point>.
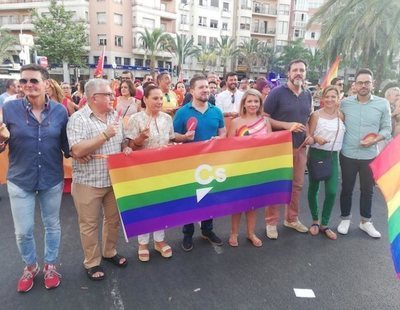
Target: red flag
<point>331,74</point>
<point>180,77</point>
<point>100,65</point>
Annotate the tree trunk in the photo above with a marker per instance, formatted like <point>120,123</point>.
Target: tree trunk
<point>66,72</point>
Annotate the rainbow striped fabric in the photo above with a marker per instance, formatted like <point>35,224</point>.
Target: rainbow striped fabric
<point>180,184</point>
<point>331,74</point>
<point>386,172</point>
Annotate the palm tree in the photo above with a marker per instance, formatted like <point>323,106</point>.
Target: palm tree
<point>368,30</point>
<point>226,49</point>
<point>153,42</point>
<point>249,52</point>
<point>7,40</point>
<point>207,56</point>
<point>182,48</point>
<point>265,55</point>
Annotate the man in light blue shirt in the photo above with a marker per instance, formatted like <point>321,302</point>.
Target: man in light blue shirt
<point>367,120</point>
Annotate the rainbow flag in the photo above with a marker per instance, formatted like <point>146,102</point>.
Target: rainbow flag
<point>331,74</point>
<point>98,73</point>
<point>180,184</point>
<point>386,172</point>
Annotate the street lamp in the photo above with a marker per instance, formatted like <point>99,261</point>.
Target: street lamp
<point>114,66</point>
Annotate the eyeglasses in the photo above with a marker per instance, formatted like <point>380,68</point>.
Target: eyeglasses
<point>361,83</point>
<point>339,84</point>
<point>32,81</point>
<point>110,95</point>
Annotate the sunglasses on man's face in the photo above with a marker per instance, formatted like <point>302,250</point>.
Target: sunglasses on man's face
<point>32,81</point>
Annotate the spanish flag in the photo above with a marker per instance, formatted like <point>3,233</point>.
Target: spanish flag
<point>331,74</point>
<point>186,183</point>
<point>386,172</point>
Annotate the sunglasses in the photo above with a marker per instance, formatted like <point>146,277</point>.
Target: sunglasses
<point>32,81</point>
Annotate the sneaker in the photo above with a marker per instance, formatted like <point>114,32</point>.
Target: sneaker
<point>369,228</point>
<point>296,226</point>
<point>51,276</point>
<point>212,237</point>
<point>343,227</point>
<point>272,232</point>
<point>187,243</point>
<point>25,283</point>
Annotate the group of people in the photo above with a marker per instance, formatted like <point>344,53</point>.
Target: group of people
<point>39,131</point>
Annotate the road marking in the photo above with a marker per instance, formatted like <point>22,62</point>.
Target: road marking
<point>116,296</point>
<point>304,293</point>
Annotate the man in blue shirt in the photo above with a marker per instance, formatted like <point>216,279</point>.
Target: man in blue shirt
<point>210,123</point>
<point>367,120</point>
<point>37,127</point>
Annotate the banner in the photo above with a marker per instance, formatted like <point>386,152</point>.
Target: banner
<point>331,74</point>
<point>180,184</point>
<point>98,73</point>
<point>386,171</point>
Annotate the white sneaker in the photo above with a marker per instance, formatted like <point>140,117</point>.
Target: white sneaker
<point>272,232</point>
<point>343,227</point>
<point>369,228</point>
<point>296,226</point>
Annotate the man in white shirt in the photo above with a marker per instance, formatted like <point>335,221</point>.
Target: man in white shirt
<point>229,100</point>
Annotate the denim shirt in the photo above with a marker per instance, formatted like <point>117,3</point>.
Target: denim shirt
<point>35,149</point>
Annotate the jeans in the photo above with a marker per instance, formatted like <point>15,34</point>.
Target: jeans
<point>23,212</point>
<point>350,168</point>
<point>206,226</point>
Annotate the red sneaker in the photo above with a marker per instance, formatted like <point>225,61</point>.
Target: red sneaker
<point>25,283</point>
<point>51,276</point>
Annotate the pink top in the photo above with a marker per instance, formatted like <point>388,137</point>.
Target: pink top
<point>257,128</point>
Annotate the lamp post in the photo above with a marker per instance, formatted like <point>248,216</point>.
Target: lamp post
<point>26,41</point>
<point>114,66</point>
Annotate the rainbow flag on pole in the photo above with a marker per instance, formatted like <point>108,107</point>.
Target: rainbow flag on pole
<point>180,184</point>
<point>386,172</point>
<point>331,74</point>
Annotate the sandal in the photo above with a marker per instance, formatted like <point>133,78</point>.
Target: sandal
<point>163,248</point>
<point>92,271</point>
<point>233,242</point>
<point>328,232</point>
<point>143,253</point>
<point>116,260</point>
<point>314,229</point>
<point>254,240</point>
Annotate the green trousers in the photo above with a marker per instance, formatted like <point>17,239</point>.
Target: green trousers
<point>330,187</point>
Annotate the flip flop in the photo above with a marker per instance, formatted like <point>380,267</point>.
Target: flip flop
<point>116,260</point>
<point>255,241</point>
<point>91,271</point>
<point>328,233</point>
<point>317,230</point>
<point>233,242</point>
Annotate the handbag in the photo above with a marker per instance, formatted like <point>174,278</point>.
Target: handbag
<point>321,169</point>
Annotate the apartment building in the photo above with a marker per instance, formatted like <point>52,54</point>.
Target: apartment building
<point>115,25</point>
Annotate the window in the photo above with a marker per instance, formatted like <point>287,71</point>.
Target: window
<point>225,6</point>
<point>203,2</point>
<point>118,60</point>
<point>127,61</point>
<point>117,1</point>
<point>119,40</point>
<point>297,33</point>
<point>101,17</point>
<point>312,35</point>
<point>160,64</point>
<point>184,19</point>
<point>214,3</point>
<point>139,62</point>
<point>185,2</point>
<point>118,19</point>
<point>245,4</point>
<point>283,9</point>
<point>282,27</point>
<point>245,23</point>
<point>102,39</point>
<point>201,40</point>
<point>148,23</point>
<point>224,26</point>
<point>213,41</point>
<point>96,59</point>
<point>213,23</point>
<point>203,21</point>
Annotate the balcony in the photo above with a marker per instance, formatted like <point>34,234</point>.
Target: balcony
<point>263,32</point>
<point>266,11</point>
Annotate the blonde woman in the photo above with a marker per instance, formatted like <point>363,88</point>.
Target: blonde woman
<point>250,122</point>
<point>54,91</point>
<point>327,128</point>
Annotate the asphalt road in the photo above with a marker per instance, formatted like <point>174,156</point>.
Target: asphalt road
<point>353,272</point>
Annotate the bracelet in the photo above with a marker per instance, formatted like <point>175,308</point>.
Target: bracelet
<point>106,136</point>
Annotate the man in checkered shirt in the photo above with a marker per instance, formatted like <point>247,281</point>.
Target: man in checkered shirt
<point>93,133</point>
